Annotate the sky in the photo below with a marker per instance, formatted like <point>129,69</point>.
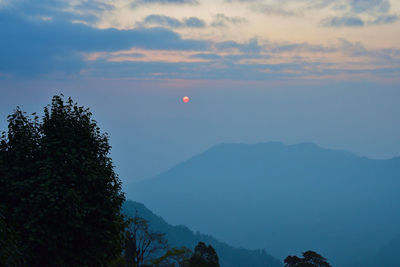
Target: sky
<point>320,71</point>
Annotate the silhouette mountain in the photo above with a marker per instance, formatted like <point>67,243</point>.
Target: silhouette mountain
<point>387,255</point>
<point>180,235</point>
<point>284,198</point>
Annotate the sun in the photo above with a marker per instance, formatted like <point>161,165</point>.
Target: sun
<point>185,99</point>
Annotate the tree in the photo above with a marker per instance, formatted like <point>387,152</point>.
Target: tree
<point>10,254</point>
<point>59,188</point>
<point>310,259</point>
<point>204,256</point>
<point>174,256</point>
<point>142,245</point>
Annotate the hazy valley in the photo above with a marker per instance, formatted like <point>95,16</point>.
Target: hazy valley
<point>284,198</point>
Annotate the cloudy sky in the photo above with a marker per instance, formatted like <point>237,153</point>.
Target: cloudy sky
<point>323,71</point>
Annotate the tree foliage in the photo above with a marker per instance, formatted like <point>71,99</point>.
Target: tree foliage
<point>204,256</point>
<point>142,244</point>
<point>10,254</point>
<point>181,236</point>
<point>59,188</point>
<point>174,257</point>
<point>310,259</point>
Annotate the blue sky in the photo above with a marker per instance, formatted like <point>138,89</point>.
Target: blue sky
<point>319,71</point>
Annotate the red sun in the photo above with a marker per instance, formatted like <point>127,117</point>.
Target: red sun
<point>185,99</point>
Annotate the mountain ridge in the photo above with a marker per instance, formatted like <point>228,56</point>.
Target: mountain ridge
<point>180,235</point>
<point>285,198</point>
<point>275,144</point>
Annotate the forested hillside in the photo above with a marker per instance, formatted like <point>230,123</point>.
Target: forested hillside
<point>180,235</point>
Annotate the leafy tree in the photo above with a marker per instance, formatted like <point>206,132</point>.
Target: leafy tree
<point>10,254</point>
<point>204,256</point>
<point>175,256</point>
<point>142,245</point>
<point>118,262</point>
<point>310,259</point>
<point>59,188</point>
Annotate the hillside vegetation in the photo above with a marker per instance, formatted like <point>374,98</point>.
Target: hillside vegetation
<point>180,235</point>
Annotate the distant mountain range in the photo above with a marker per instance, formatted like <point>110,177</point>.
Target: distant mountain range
<point>284,198</point>
<point>179,236</point>
<point>387,255</point>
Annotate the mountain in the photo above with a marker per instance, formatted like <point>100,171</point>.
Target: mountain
<point>284,198</point>
<point>180,235</point>
<point>387,255</point>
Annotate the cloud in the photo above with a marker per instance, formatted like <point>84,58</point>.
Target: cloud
<point>319,4</point>
<point>206,56</point>
<point>243,66</point>
<point>277,10</point>
<point>352,48</point>
<point>199,70</point>
<point>369,6</point>
<point>89,11</point>
<point>32,46</point>
<point>166,2</point>
<point>194,22</point>
<point>378,12</point>
<point>301,47</point>
<point>167,21</point>
<point>250,47</point>
<point>42,41</point>
<point>343,22</point>
<point>280,7</point>
<point>385,19</point>
<point>162,21</point>
<point>377,56</point>
<point>243,1</point>
<point>221,20</point>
